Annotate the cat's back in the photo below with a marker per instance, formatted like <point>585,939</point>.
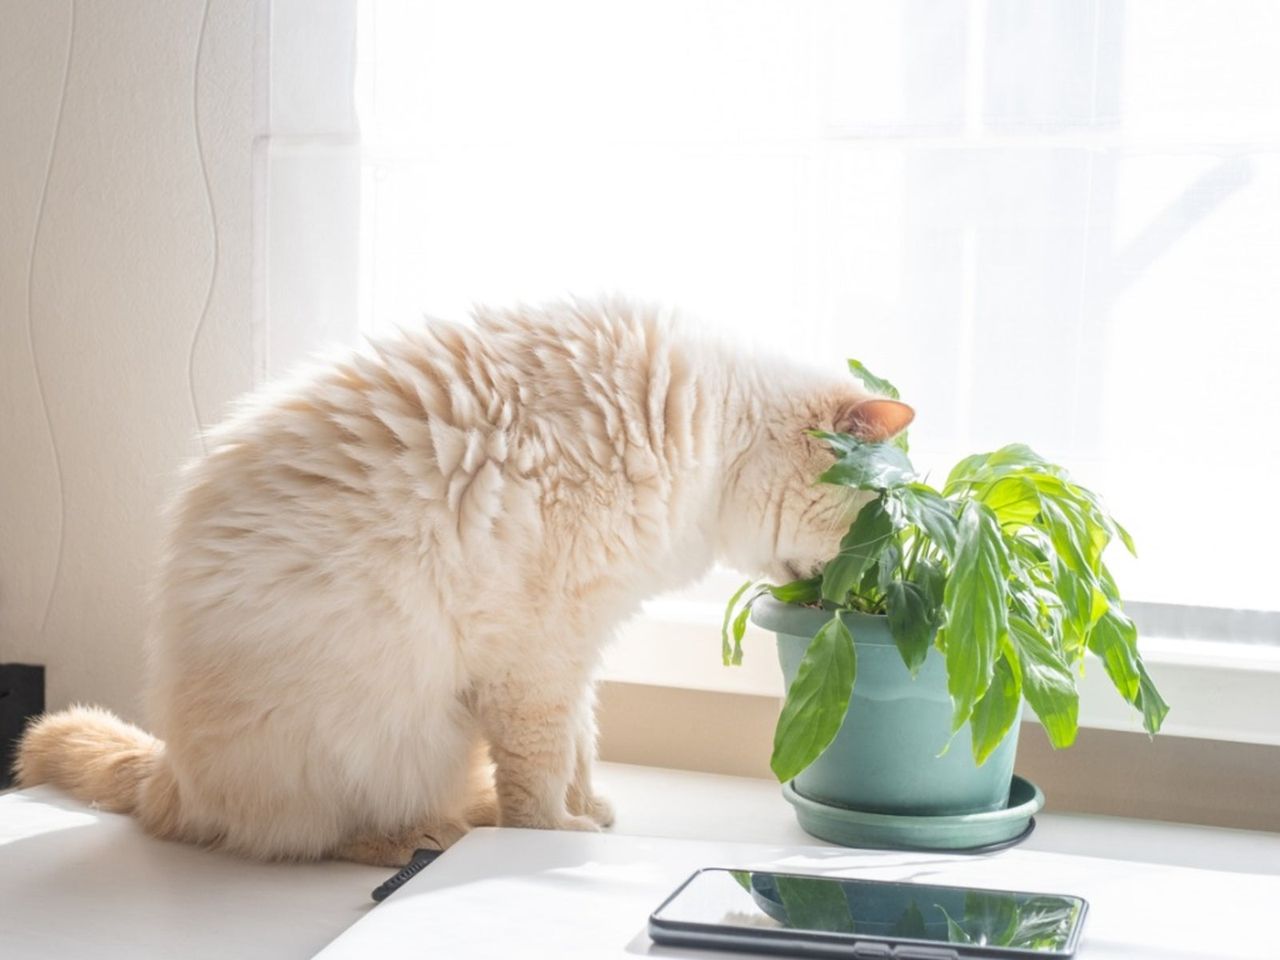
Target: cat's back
<point>443,434</point>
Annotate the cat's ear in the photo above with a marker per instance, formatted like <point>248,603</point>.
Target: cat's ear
<point>874,419</point>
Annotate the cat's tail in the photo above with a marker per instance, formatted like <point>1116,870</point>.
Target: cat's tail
<point>98,758</point>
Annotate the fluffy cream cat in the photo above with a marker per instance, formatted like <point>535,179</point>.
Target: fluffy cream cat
<point>398,561</point>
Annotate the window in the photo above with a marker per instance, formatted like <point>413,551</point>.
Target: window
<point>1056,223</point>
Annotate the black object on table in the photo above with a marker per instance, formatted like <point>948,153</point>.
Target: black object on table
<point>420,859</point>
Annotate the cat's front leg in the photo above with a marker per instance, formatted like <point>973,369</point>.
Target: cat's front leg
<point>582,798</point>
<point>531,725</point>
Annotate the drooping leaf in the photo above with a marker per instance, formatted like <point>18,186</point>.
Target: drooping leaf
<point>1153,706</point>
<point>726,646</point>
<point>813,903</point>
<point>1127,540</point>
<point>739,631</point>
<point>1047,682</point>
<point>817,700</point>
<point>995,713</point>
<point>931,512</point>
<point>798,591</point>
<point>870,466</point>
<point>873,383</point>
<point>976,608</point>
<point>1114,639</point>
<point>912,621</point>
<point>870,533</point>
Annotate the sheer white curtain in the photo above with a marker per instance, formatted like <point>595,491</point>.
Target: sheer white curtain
<point>1056,223</point>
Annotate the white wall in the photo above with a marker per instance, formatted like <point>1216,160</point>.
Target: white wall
<point>126,295</point>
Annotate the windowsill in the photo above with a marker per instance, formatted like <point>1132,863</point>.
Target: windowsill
<point>680,804</point>
<point>1216,691</point>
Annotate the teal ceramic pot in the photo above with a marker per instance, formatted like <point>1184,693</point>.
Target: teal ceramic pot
<point>885,757</point>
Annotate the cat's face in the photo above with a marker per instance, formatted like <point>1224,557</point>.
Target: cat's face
<point>777,520</point>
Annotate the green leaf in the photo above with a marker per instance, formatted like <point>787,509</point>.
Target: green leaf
<point>1013,499</point>
<point>739,631</point>
<point>1127,540</point>
<point>870,466</point>
<point>913,621</point>
<point>726,648</point>
<point>813,903</point>
<point>1065,535</point>
<point>1114,639</point>
<point>996,712</point>
<point>931,512</point>
<point>976,604</point>
<point>1075,510</point>
<point>888,565</point>
<point>1097,603</point>
<point>1108,584</point>
<point>817,700</point>
<point>1047,682</point>
<point>986,467</point>
<point>871,532</point>
<point>798,591</point>
<point>872,382</point>
<point>967,471</point>
<point>932,581</point>
<point>1153,706</point>
<point>1076,595</point>
<point>840,443</point>
<point>884,388</point>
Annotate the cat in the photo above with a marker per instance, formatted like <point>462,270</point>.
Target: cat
<point>386,586</point>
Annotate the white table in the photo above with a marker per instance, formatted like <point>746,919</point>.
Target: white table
<point>77,882</point>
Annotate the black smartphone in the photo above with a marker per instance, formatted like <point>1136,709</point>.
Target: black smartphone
<point>809,916</point>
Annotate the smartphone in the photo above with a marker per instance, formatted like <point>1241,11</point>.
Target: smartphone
<point>808,916</point>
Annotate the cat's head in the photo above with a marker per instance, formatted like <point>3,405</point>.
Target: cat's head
<point>776,520</point>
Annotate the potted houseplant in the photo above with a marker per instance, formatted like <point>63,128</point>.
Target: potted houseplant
<point>943,611</point>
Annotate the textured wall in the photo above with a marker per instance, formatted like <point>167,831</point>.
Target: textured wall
<point>125,306</point>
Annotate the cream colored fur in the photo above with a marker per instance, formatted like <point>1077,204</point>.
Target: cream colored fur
<point>402,557</point>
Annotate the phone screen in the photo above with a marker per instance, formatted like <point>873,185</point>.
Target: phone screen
<point>742,900</point>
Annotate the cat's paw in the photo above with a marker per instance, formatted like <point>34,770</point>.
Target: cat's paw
<point>396,850</point>
<point>545,820</point>
<point>600,810</point>
<point>582,824</point>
